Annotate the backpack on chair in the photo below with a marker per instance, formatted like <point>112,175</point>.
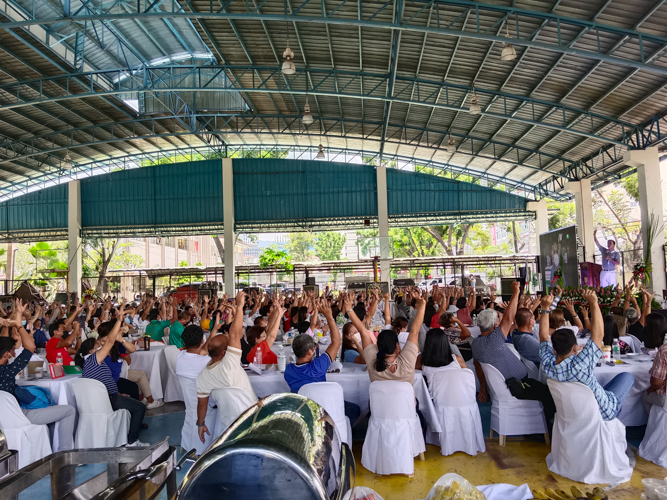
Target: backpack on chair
<point>32,397</point>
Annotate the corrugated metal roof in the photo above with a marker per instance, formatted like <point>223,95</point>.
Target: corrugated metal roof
<point>613,90</point>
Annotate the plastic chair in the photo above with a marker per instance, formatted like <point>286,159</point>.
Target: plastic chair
<point>189,432</point>
<point>30,440</point>
<point>171,388</point>
<point>653,445</point>
<point>455,402</point>
<point>231,402</point>
<point>99,425</point>
<point>394,435</point>
<point>585,447</point>
<point>511,416</point>
<point>329,395</point>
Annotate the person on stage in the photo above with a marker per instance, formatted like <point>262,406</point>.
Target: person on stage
<point>610,259</point>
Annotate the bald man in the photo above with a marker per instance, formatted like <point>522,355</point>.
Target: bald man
<point>224,369</point>
<point>522,337</point>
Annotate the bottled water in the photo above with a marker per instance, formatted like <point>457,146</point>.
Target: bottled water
<point>615,349</point>
<point>59,358</point>
<point>258,357</point>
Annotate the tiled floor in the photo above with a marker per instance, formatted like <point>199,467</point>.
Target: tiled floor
<point>520,461</point>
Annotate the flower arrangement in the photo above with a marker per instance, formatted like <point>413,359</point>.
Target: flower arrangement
<point>641,273</point>
<point>557,278</point>
<point>606,295</point>
<point>91,294</point>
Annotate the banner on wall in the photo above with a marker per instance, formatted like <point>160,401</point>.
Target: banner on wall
<point>558,257</point>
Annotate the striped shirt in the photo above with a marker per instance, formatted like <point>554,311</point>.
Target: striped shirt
<point>92,369</point>
<point>580,368</point>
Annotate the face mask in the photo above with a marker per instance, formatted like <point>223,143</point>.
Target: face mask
<point>358,337</point>
<point>246,313</point>
<point>128,321</point>
<point>23,322</point>
<point>437,307</point>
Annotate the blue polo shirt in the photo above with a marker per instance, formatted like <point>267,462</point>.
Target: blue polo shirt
<point>297,376</point>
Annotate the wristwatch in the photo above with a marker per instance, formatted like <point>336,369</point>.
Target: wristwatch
<point>201,425</point>
<point>544,311</point>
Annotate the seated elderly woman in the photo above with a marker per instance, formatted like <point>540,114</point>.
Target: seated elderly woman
<point>437,356</point>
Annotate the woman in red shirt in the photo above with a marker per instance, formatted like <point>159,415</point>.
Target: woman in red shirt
<point>258,338</point>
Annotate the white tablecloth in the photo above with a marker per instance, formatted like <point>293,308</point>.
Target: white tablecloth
<point>149,363</point>
<point>60,388</point>
<point>61,392</point>
<point>633,411</point>
<point>355,383</point>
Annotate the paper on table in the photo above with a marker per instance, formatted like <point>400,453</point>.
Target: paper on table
<point>255,369</point>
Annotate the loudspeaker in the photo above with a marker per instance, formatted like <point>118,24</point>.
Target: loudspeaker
<point>404,282</point>
<point>312,288</point>
<point>310,281</point>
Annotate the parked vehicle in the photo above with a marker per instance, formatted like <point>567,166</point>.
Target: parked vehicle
<point>191,291</point>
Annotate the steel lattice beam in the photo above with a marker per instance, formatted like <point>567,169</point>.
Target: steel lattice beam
<point>566,38</point>
<point>332,83</point>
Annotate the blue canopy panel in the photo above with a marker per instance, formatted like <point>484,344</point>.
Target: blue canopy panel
<point>298,195</point>
<point>269,195</point>
<point>416,199</point>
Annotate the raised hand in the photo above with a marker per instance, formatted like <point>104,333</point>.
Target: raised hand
<point>546,301</point>
<point>590,296</point>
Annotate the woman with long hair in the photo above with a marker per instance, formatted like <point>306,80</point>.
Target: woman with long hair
<point>437,355</point>
<point>352,350</point>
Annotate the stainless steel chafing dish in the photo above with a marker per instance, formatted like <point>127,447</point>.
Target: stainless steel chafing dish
<point>282,448</point>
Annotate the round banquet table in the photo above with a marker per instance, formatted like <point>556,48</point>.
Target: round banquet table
<point>149,363</point>
<point>633,411</point>
<point>355,383</point>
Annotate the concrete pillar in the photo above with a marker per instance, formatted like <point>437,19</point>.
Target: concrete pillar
<point>541,219</point>
<point>147,252</point>
<point>383,223</point>
<point>228,209</point>
<point>647,163</point>
<point>583,202</point>
<point>9,270</point>
<point>74,237</point>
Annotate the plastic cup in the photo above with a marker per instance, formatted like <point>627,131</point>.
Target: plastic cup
<point>38,372</point>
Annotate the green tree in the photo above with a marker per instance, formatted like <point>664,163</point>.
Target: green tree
<point>300,246</point>
<point>190,278</point>
<point>271,256</point>
<point>329,244</point>
<point>47,263</point>
<point>563,214</point>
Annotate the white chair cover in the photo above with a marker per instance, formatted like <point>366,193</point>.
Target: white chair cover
<point>586,448</point>
<point>509,415</point>
<point>231,402</point>
<point>170,384</point>
<point>30,440</point>
<point>99,425</point>
<point>454,398</point>
<point>189,432</point>
<point>634,343</point>
<point>394,435</point>
<point>329,395</point>
<point>654,445</point>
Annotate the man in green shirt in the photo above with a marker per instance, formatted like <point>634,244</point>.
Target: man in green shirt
<point>177,328</point>
<point>158,322</point>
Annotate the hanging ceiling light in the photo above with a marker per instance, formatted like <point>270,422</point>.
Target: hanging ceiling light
<point>508,52</point>
<point>474,104</point>
<point>288,65</point>
<point>307,118</point>
<point>320,153</point>
<point>68,160</point>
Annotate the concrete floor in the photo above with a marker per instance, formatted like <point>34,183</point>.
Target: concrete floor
<point>520,461</point>
<point>517,463</point>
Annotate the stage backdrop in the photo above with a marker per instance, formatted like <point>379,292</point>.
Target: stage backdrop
<point>559,249</point>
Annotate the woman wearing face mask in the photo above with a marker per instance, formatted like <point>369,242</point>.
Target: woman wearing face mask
<point>114,359</point>
<point>352,350</point>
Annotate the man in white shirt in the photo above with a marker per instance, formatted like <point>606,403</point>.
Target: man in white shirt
<point>194,359</point>
<point>224,369</point>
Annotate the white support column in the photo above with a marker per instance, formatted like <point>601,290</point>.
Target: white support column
<point>541,219</point>
<point>228,208</point>
<point>647,163</point>
<point>74,237</point>
<point>583,202</point>
<point>383,223</point>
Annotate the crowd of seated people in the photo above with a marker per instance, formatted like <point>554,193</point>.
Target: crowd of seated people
<point>391,335</point>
